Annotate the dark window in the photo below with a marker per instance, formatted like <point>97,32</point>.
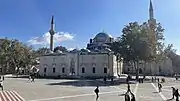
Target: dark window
<point>54,70</point>
<point>63,70</point>
<point>83,70</point>
<point>44,69</point>
<point>72,70</point>
<point>0,69</point>
<point>105,70</point>
<point>94,70</point>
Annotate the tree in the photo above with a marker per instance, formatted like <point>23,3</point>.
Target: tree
<point>41,51</point>
<point>61,48</point>
<point>140,43</point>
<point>15,55</point>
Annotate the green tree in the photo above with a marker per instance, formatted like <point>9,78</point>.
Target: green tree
<point>139,43</point>
<point>41,51</point>
<point>15,55</point>
<point>61,48</point>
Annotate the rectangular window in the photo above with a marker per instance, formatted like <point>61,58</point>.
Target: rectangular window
<point>94,70</point>
<point>105,70</point>
<point>44,69</point>
<point>72,70</point>
<point>0,69</point>
<point>63,70</point>
<point>54,70</point>
<point>83,70</point>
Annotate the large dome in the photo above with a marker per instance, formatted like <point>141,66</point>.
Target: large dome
<point>102,37</point>
<point>102,34</point>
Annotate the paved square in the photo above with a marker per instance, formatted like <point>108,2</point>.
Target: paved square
<point>20,89</point>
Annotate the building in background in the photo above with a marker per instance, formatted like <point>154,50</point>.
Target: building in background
<point>80,63</point>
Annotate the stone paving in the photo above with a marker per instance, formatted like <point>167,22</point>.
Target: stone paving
<point>83,90</point>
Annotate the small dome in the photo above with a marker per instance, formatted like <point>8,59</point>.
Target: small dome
<point>74,51</point>
<point>58,51</point>
<point>49,51</point>
<point>85,50</point>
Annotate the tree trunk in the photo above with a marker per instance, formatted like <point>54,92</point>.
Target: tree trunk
<point>137,70</point>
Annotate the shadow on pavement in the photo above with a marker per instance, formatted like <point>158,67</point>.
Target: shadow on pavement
<point>169,99</point>
<point>80,83</point>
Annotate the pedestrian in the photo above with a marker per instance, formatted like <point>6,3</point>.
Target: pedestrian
<point>127,98</point>
<point>3,77</point>
<point>158,80</point>
<point>173,92</point>
<point>132,97</point>
<point>176,94</point>
<point>160,87</point>
<point>152,79</point>
<point>29,77</point>
<point>1,84</point>
<point>129,89</point>
<point>97,92</point>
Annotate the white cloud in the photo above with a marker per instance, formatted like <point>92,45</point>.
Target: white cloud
<point>45,39</point>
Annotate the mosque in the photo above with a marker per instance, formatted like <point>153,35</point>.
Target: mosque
<point>97,60</point>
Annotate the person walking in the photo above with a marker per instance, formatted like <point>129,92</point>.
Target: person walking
<point>176,94</point>
<point>129,88</point>
<point>132,97</point>
<point>173,92</point>
<point>1,85</point>
<point>127,98</point>
<point>97,92</point>
<point>160,87</point>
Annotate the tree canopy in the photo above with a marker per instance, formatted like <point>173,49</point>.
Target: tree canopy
<point>139,42</point>
<point>15,55</point>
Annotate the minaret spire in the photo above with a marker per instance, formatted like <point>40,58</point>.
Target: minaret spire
<point>52,32</point>
<point>151,12</point>
<point>52,19</point>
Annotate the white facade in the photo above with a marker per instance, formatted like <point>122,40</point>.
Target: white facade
<point>162,68</point>
<point>82,65</point>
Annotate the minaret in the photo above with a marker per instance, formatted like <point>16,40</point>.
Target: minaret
<point>52,32</point>
<point>152,20</point>
<point>151,12</point>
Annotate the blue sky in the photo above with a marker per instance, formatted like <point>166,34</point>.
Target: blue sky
<point>79,20</point>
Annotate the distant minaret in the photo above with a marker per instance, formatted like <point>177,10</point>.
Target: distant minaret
<point>151,12</point>
<point>152,23</point>
<point>152,20</point>
<point>52,32</point>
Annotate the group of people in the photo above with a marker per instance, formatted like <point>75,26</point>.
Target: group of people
<point>154,79</point>
<point>127,94</point>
